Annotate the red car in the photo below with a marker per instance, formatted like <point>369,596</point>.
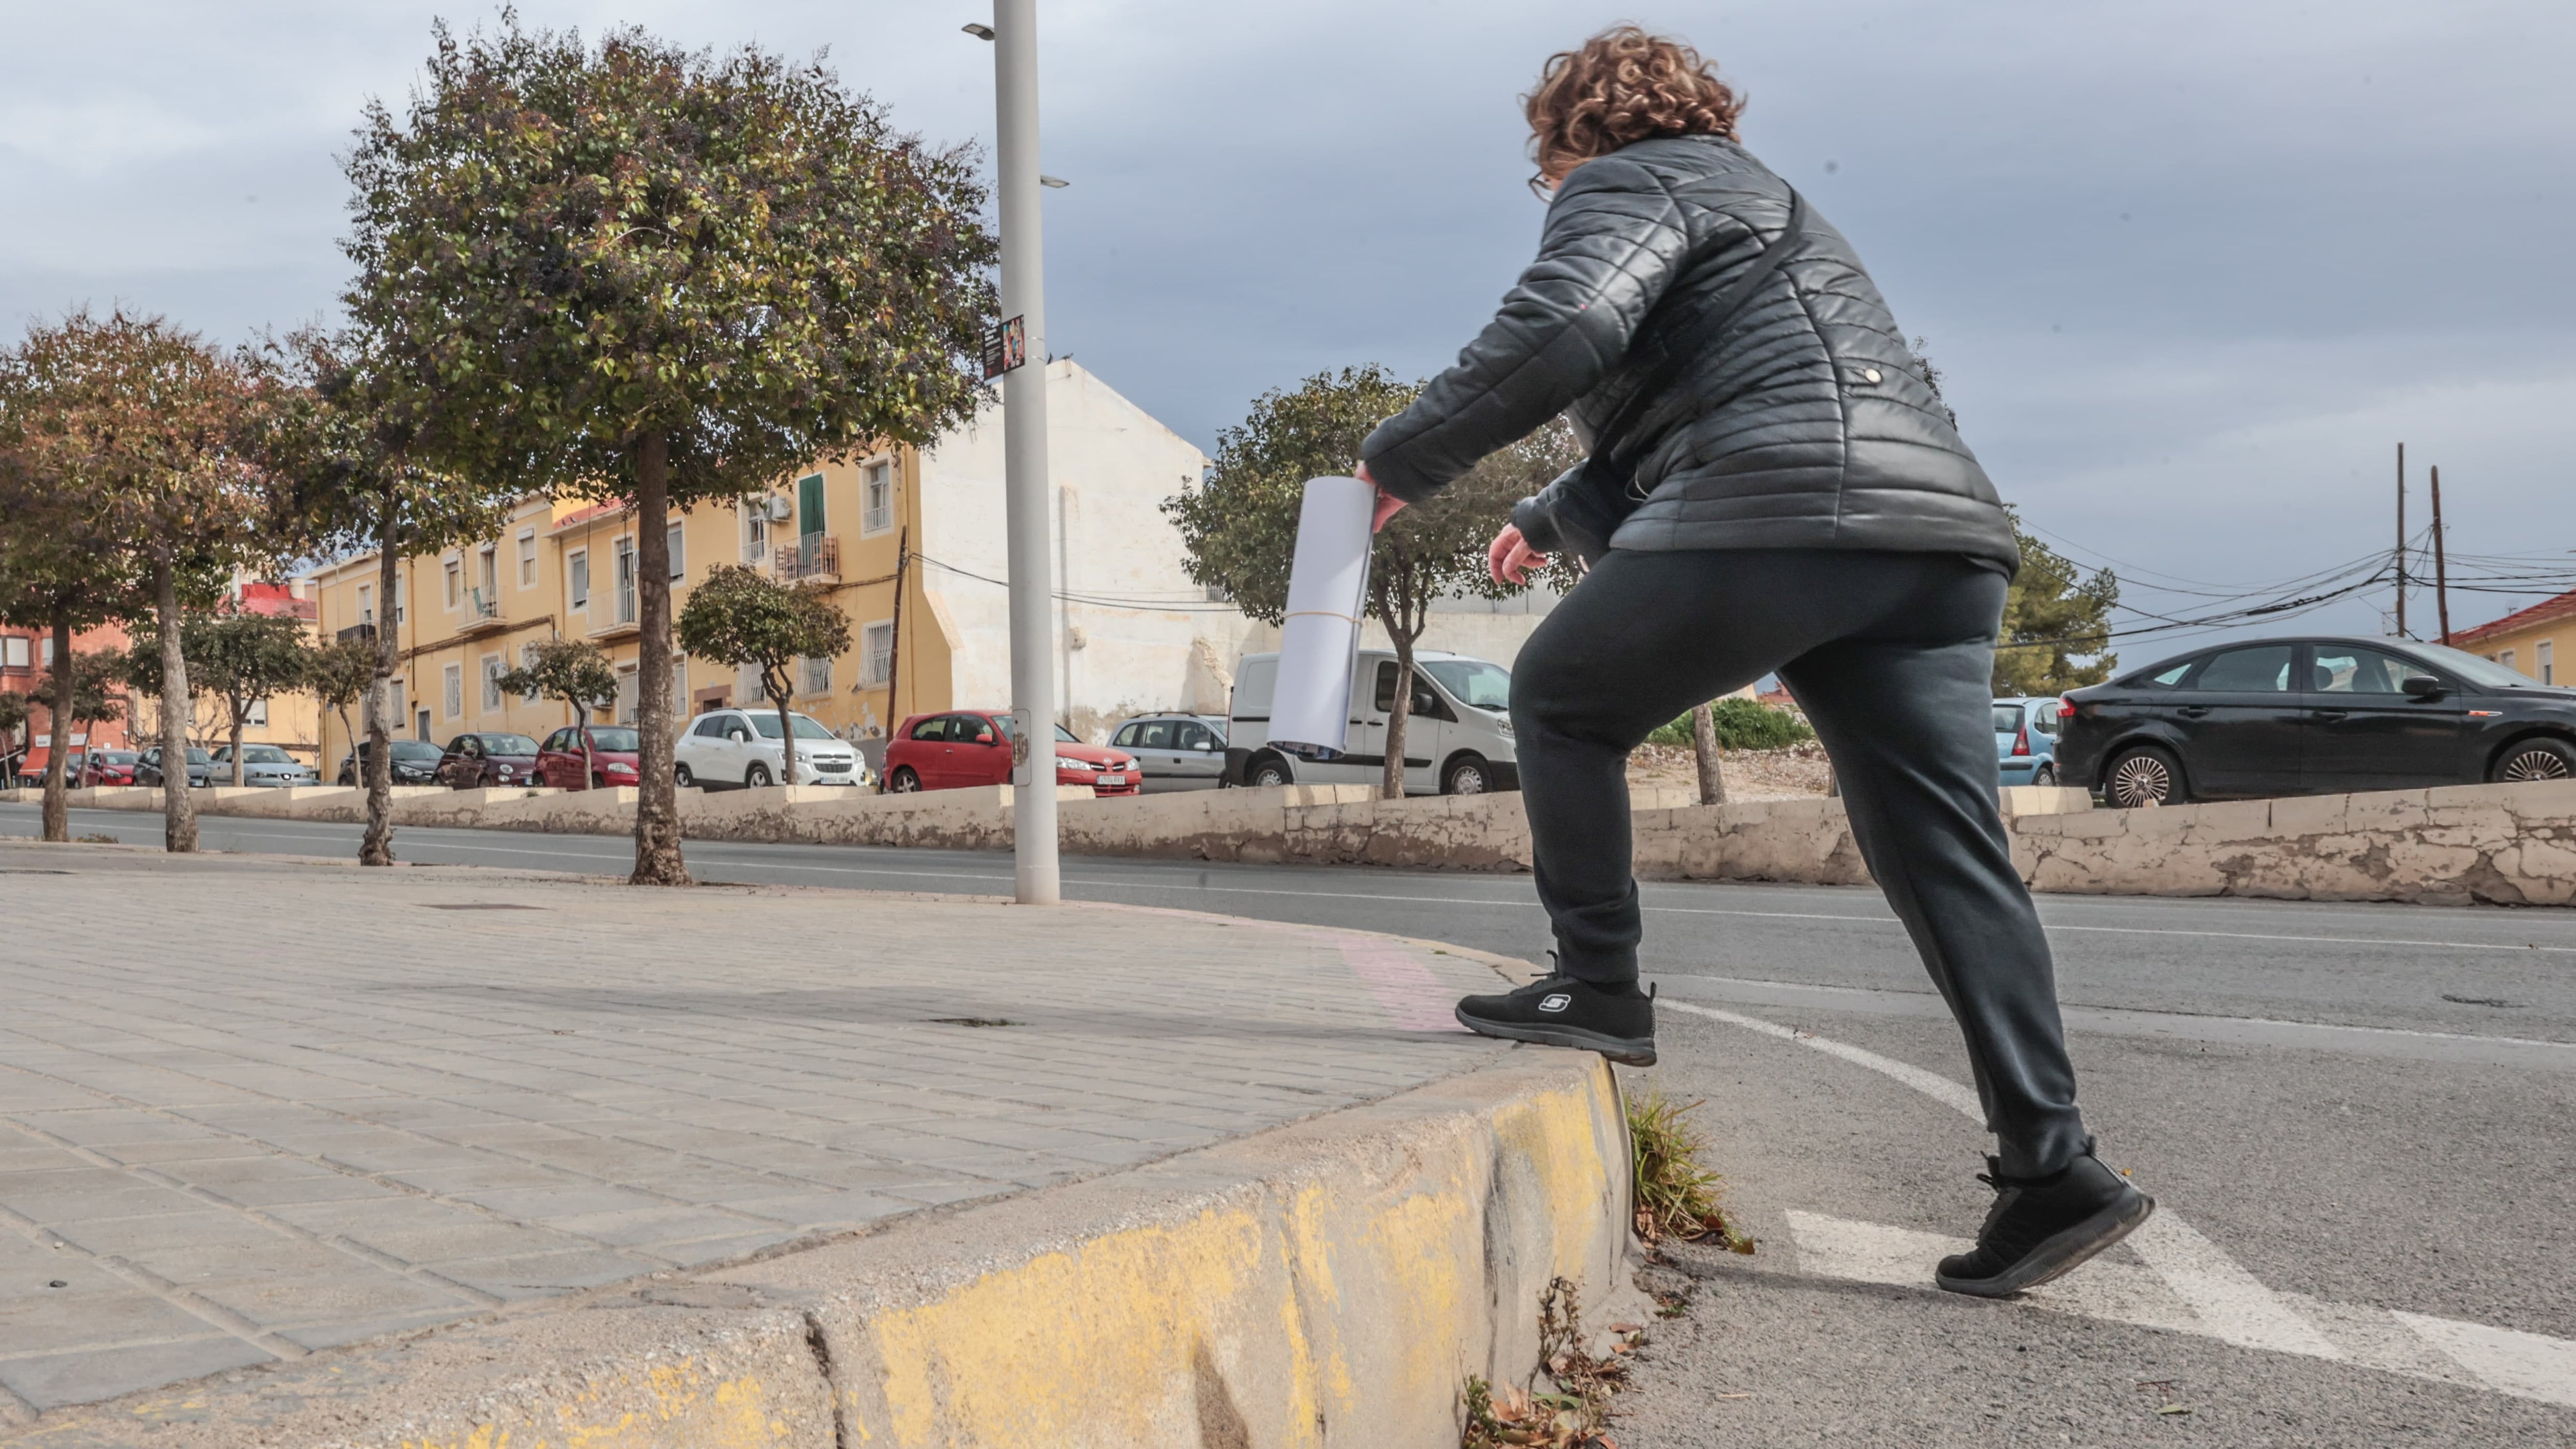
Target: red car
<point>615,757</point>
<point>973,747</point>
<point>108,767</point>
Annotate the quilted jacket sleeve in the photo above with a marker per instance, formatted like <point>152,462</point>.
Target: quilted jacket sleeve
<point>1614,236</point>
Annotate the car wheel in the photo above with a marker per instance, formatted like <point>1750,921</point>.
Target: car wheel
<point>903,781</point>
<point>1466,775</point>
<point>1268,770</point>
<point>2527,760</point>
<point>2147,775</point>
<point>2044,775</point>
<point>755,777</point>
<point>681,777</point>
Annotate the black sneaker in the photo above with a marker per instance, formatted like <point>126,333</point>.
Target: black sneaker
<point>1616,1021</point>
<point>2043,1227</point>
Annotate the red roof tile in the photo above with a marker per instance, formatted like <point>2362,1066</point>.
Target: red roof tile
<point>2540,613</point>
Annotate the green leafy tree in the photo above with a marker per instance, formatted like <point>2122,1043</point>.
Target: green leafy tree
<point>236,659</point>
<point>2057,624</point>
<point>736,617</point>
<point>663,277</point>
<point>134,431</point>
<point>1239,527</point>
<point>350,478</point>
<point>340,673</point>
<point>574,671</point>
<point>13,720</point>
<point>53,581</point>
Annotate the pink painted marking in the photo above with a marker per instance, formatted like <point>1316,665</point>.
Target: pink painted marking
<point>1402,985</point>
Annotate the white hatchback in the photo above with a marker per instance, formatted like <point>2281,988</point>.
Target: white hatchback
<point>730,747</point>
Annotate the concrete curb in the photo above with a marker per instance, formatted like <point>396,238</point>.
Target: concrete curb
<point>1330,1282</point>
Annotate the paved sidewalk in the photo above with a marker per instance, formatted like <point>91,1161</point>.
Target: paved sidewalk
<point>253,1107</point>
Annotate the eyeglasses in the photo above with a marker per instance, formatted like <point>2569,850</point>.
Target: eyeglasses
<point>1541,187</point>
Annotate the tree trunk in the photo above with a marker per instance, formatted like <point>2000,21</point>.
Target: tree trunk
<point>786,734</point>
<point>377,847</point>
<point>240,709</point>
<point>1712,768</point>
<point>178,811</point>
<point>1391,782</point>
<point>589,766</point>
<point>58,811</point>
<point>657,803</point>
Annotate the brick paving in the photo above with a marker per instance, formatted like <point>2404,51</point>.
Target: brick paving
<point>253,1108</point>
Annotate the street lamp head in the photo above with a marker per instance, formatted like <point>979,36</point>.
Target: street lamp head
<point>1058,182</point>
<point>980,32</point>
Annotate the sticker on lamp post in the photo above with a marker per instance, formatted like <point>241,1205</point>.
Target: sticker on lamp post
<point>1006,347</point>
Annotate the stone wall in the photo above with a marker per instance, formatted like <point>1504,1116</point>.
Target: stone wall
<point>2513,844</point>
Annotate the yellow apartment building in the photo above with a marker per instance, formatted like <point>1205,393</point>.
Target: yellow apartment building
<point>2534,640</point>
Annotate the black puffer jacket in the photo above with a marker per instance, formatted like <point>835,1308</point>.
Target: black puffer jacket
<point>1808,426</point>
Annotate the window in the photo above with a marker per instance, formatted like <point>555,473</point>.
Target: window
<point>2339,670</point>
<point>1474,682</point>
<point>1155,735</point>
<point>814,676</point>
<point>755,529</point>
<point>713,726</point>
<point>878,489</point>
<point>2505,658</point>
<point>492,681</point>
<point>366,604</point>
<point>679,555</point>
<point>452,680</point>
<point>577,569</point>
<point>257,714</point>
<point>45,656</point>
<point>876,653</point>
<point>527,558</point>
<point>1191,735</point>
<point>2543,654</point>
<point>934,728</point>
<point>394,711</point>
<point>528,660</point>
<point>809,503</point>
<point>2007,719</point>
<point>1126,735</point>
<point>626,702</point>
<point>13,652</point>
<point>2265,670</point>
<point>2173,676</point>
<point>488,573</point>
<point>455,582</point>
<point>626,581</point>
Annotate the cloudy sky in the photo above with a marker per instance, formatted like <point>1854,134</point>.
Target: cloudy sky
<point>2193,268</point>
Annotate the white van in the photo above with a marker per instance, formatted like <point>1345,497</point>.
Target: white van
<point>1457,741</point>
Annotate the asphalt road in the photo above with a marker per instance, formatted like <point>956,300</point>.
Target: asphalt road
<point>2349,1113</point>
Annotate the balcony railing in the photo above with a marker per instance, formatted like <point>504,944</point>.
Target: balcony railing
<point>815,556</point>
<point>362,633</point>
<point>482,612</point>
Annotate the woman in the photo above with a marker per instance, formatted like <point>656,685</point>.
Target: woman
<point>1807,509</point>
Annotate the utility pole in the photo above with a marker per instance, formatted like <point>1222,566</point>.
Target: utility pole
<point>2441,567</point>
<point>2401,540</point>
<point>1014,34</point>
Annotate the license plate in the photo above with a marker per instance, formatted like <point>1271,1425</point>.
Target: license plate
<point>1113,779</point>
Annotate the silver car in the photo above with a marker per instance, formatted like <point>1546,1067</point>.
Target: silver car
<point>1175,749</point>
<point>263,765</point>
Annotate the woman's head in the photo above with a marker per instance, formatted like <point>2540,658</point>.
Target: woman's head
<point>1623,85</point>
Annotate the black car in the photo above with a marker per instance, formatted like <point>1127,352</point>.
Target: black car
<point>415,763</point>
<point>201,768</point>
<point>483,761</point>
<point>2313,717</point>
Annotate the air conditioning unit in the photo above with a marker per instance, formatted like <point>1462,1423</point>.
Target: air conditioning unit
<point>781,508</point>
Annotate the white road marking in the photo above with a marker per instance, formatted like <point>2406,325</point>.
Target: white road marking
<point>2194,1287</point>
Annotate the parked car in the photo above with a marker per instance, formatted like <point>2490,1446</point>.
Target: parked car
<point>2026,740</point>
<point>415,763</point>
<point>487,761</point>
<point>973,747</point>
<point>743,747</point>
<point>616,754</point>
<point>1174,746</point>
<point>263,765</point>
<point>2313,716</point>
<point>109,767</point>
<point>201,768</point>
<point>1457,737</point>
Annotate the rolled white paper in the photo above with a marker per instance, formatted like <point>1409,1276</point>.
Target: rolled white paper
<point>1310,706</point>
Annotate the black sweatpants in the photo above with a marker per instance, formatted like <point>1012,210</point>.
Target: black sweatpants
<point>1891,655</point>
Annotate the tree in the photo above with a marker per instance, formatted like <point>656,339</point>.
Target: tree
<point>237,659</point>
<point>2054,616</point>
<point>1239,527</point>
<point>340,674</point>
<point>352,478</point>
<point>574,671</point>
<point>132,430</point>
<point>50,580</point>
<point>639,273</point>
<point>737,617</point>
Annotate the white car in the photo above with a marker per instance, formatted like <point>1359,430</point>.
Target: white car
<point>730,747</point>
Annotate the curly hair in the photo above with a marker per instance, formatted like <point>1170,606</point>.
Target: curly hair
<point>1624,85</point>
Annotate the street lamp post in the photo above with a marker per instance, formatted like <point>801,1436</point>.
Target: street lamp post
<point>1024,455</point>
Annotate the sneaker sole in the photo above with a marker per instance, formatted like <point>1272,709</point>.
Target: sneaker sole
<point>1628,1051</point>
<point>2060,1253</point>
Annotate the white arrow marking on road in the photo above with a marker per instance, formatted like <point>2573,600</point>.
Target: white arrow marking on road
<point>2190,1285</point>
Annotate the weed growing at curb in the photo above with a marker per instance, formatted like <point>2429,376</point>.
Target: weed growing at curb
<point>1573,1411</point>
<point>1676,1196</point>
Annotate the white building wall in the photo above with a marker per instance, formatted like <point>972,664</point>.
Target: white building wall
<point>1135,634</point>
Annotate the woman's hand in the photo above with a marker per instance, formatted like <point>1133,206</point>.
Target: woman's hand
<point>1510,558</point>
<point>1388,505</point>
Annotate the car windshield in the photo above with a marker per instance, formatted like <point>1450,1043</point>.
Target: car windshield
<point>509,745</point>
<point>626,740</point>
<point>199,757</point>
<point>1473,682</point>
<point>114,757</point>
<point>2483,672</point>
<point>1002,722</point>
<point>807,727</point>
<point>266,755</point>
<point>413,750</point>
